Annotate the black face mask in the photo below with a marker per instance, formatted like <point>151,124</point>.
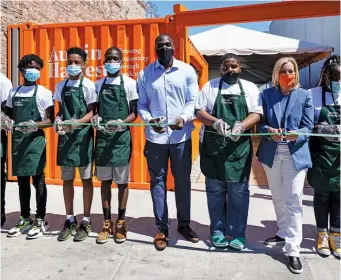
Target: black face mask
<point>165,55</point>
<point>230,78</point>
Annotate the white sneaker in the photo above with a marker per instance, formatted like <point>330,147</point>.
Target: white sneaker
<point>22,226</point>
<point>39,228</point>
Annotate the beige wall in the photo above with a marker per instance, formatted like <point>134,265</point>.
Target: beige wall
<point>14,12</point>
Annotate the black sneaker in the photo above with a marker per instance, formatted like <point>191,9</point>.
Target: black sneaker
<point>276,240</point>
<point>295,265</point>
<point>83,231</point>
<point>68,229</point>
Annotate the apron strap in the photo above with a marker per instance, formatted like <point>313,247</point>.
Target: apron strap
<point>62,96</point>
<point>13,102</point>
<point>220,85</point>
<point>121,80</point>
<point>105,80</point>
<point>64,86</point>
<point>67,80</point>
<point>35,91</point>
<point>323,97</point>
<point>81,95</point>
<point>242,93</point>
<point>81,81</point>
<point>217,113</point>
<point>122,94</point>
<point>16,92</point>
<point>241,87</point>
<point>34,99</point>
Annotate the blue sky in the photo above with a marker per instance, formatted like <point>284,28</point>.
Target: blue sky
<point>166,8</point>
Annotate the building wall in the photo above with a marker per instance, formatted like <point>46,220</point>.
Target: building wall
<point>323,31</point>
<point>15,12</point>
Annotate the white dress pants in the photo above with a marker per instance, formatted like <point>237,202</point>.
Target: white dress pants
<point>286,185</point>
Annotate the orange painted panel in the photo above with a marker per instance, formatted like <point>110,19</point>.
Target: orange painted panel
<point>256,12</point>
<point>135,38</point>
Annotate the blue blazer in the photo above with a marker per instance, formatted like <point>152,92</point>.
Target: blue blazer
<point>299,116</point>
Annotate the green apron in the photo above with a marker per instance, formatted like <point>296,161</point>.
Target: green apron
<point>75,148</point>
<point>324,176</point>
<point>113,149</point>
<point>28,150</point>
<point>221,158</point>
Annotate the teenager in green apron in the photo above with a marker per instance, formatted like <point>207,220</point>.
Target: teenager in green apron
<point>225,159</point>
<point>324,176</point>
<point>77,100</point>
<point>30,106</point>
<point>5,87</point>
<point>117,101</point>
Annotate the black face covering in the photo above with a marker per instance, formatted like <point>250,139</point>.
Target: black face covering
<point>230,78</point>
<point>165,55</point>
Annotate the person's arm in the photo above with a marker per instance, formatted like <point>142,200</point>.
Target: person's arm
<point>255,110</point>
<point>6,87</point>
<point>87,117</point>
<point>91,101</point>
<point>3,106</point>
<point>192,90</point>
<point>191,94</point>
<point>251,120</point>
<point>57,97</point>
<point>9,112</point>
<point>307,122</point>
<point>205,117</point>
<point>201,106</point>
<point>48,122</point>
<point>133,98</point>
<point>59,113</point>
<point>143,102</point>
<point>8,108</point>
<point>6,113</point>
<point>4,101</point>
<point>263,126</point>
<point>46,101</point>
<point>133,112</point>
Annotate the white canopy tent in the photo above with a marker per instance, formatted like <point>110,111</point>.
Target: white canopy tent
<point>258,51</point>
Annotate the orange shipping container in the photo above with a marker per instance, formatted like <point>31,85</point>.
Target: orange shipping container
<point>135,38</point>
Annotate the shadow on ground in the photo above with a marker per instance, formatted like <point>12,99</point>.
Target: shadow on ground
<point>145,226</point>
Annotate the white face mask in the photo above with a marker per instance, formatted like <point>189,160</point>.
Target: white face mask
<point>112,68</point>
<point>74,70</point>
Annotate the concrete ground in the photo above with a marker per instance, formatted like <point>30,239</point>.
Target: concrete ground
<point>46,258</point>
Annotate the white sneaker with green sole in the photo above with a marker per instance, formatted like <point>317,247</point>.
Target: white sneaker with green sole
<point>39,228</point>
<point>22,226</point>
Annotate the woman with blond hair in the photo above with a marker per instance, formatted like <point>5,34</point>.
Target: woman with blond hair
<point>288,113</point>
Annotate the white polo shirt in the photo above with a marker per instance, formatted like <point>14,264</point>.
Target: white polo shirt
<point>88,87</point>
<point>209,92</point>
<point>5,87</point>
<point>129,86</point>
<point>43,97</point>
